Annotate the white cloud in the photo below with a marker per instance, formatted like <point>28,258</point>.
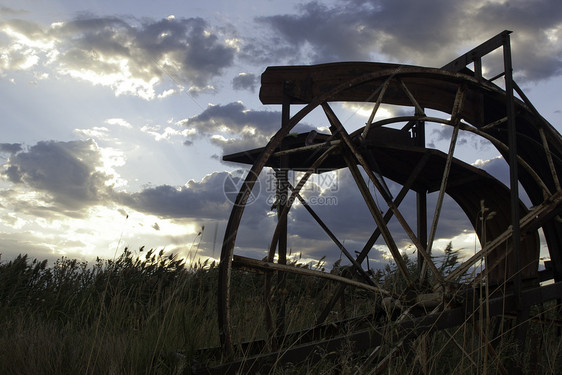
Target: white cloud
<point>119,122</point>
<point>95,132</point>
<point>121,81</point>
<point>30,37</point>
<point>168,92</point>
<point>131,59</point>
<point>166,134</point>
<point>13,221</point>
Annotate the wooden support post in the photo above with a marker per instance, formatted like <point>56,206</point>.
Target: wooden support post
<point>514,187</point>
<point>421,198</point>
<point>282,192</point>
<point>513,165</point>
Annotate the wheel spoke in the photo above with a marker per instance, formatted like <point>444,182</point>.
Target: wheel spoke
<point>279,231</point>
<point>356,264</point>
<point>549,158</point>
<point>296,190</point>
<point>419,108</point>
<point>375,108</point>
<point>388,214</point>
<point>376,214</point>
<point>295,194</point>
<point>455,121</point>
<point>376,233</point>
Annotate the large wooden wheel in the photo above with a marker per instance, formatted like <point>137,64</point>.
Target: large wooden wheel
<point>394,150</point>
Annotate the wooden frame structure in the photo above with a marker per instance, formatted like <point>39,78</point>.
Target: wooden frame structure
<point>509,242</point>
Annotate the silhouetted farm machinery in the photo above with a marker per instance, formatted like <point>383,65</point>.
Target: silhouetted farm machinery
<point>510,233</point>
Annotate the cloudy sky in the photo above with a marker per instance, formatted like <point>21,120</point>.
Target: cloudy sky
<point>116,114</point>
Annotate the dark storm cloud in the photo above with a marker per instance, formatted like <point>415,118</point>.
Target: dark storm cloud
<point>537,37</point>
<point>203,199</point>
<point>65,178</point>
<point>64,171</point>
<point>190,43</point>
<point>10,148</point>
<point>185,49</point>
<point>233,118</point>
<point>233,127</point>
<point>354,30</point>
<point>418,32</point>
<point>245,81</point>
<point>330,33</point>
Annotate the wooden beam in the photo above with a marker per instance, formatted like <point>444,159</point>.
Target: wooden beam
<point>476,53</point>
<point>240,261</point>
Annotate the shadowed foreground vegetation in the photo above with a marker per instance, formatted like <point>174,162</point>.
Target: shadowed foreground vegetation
<point>147,313</point>
<point>132,315</point>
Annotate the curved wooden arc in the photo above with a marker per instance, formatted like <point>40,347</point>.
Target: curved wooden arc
<point>484,108</point>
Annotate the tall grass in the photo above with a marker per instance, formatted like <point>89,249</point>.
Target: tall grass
<point>480,345</point>
<point>142,314</point>
<point>148,313</point>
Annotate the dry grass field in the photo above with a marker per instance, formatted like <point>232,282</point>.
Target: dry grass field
<point>145,312</point>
